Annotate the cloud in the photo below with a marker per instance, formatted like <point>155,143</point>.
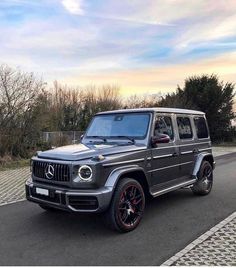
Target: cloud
<point>141,45</point>
<point>159,78</point>
<point>195,22</point>
<point>74,6</point>
<point>43,45</point>
<point>150,12</point>
<point>201,33</point>
<point>216,24</point>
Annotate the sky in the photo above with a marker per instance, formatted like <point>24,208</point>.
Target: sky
<point>143,46</point>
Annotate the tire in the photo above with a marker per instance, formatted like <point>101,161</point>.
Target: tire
<point>127,206</point>
<point>204,183</point>
<point>48,208</point>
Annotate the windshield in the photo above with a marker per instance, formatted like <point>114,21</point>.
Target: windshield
<point>133,125</point>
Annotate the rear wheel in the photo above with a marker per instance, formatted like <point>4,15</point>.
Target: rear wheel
<point>127,206</point>
<point>204,183</point>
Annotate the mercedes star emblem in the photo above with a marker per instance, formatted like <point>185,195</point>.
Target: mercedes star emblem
<point>49,172</point>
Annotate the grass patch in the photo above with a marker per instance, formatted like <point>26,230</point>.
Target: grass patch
<point>225,144</point>
<point>14,164</point>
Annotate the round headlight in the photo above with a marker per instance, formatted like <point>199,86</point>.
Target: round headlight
<point>85,173</point>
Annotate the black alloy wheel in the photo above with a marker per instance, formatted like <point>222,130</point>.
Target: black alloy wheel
<point>127,206</point>
<point>204,183</point>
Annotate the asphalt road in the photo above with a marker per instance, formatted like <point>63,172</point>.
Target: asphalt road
<point>30,236</point>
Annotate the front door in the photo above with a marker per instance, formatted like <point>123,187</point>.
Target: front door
<point>165,157</point>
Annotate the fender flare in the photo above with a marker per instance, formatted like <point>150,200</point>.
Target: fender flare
<point>115,175</point>
<point>199,160</point>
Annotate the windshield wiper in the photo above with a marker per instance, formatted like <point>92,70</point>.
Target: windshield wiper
<point>98,137</point>
<point>125,137</point>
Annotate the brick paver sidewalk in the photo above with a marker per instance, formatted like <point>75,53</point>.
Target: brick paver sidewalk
<point>217,247</point>
<point>12,185</point>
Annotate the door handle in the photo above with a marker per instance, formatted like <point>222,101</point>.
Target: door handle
<point>174,154</point>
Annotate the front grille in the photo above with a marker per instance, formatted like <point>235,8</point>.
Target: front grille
<point>83,202</point>
<point>61,171</point>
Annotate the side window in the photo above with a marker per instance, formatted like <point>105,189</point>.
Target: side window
<point>163,125</point>
<point>184,127</point>
<point>201,127</point>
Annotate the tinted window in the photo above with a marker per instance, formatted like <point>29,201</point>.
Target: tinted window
<point>184,127</point>
<point>201,127</point>
<point>133,125</point>
<point>163,125</point>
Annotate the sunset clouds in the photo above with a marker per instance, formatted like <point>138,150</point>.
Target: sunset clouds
<point>143,46</point>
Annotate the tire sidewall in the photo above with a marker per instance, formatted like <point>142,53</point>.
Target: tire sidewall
<point>198,186</point>
<point>124,184</point>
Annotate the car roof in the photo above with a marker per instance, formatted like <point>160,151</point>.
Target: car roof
<point>161,110</point>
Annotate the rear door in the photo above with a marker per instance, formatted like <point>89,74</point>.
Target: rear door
<point>165,157</point>
<point>202,134</point>
<point>187,144</point>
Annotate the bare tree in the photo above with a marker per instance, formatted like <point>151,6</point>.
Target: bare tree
<point>18,94</point>
<point>143,101</point>
<point>27,108</point>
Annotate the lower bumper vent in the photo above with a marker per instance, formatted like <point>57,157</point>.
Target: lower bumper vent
<point>83,202</point>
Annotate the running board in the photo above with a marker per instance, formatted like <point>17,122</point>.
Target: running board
<point>172,188</point>
<point>188,186</point>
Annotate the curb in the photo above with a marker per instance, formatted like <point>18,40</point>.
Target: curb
<point>199,240</point>
<point>12,202</point>
<point>223,156</point>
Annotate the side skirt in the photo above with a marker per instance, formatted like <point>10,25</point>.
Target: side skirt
<point>172,188</point>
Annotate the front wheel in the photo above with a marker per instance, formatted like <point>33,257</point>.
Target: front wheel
<point>127,206</point>
<point>204,183</point>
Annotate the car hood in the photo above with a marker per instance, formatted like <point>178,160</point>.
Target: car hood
<point>86,151</point>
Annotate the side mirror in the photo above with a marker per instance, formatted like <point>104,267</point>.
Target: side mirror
<point>81,137</point>
<point>161,138</point>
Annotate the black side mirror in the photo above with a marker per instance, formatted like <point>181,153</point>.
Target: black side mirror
<point>81,137</point>
<point>161,138</point>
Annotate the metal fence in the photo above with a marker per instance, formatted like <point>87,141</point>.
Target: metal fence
<point>62,137</point>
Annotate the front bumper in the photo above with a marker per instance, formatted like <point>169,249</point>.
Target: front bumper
<point>67,199</point>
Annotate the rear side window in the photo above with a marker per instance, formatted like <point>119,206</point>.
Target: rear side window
<point>201,127</point>
<point>184,127</point>
<point>163,125</point>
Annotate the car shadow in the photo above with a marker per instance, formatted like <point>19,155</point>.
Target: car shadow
<point>84,223</point>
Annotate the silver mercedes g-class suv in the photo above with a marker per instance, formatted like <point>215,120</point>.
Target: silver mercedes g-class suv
<point>124,157</point>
